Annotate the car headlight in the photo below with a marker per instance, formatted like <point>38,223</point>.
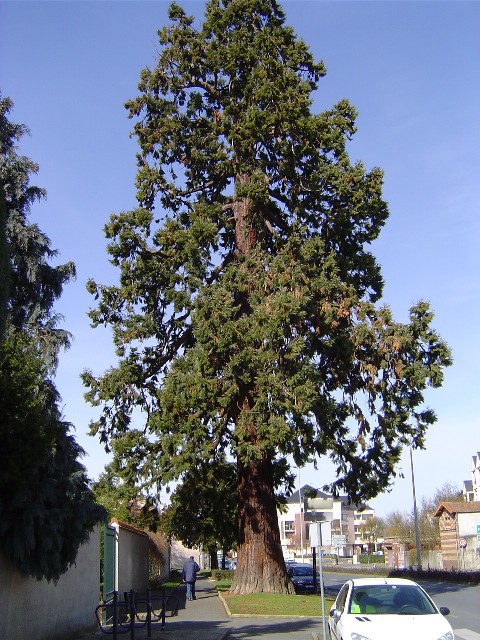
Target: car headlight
<point>447,636</point>
<point>357,636</point>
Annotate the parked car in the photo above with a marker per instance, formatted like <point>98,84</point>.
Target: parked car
<point>292,563</point>
<point>301,576</point>
<point>387,608</point>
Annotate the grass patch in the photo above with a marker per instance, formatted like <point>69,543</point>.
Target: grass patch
<point>223,585</point>
<point>272,604</point>
<point>275,604</point>
<point>171,584</point>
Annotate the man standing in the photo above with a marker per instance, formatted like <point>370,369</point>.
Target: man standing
<point>190,570</point>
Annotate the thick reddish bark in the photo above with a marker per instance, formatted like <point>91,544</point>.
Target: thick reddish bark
<point>260,562</point>
<point>245,232</point>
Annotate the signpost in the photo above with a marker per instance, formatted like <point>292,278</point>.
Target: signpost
<point>339,541</point>
<point>324,506</point>
<point>462,543</point>
<point>478,532</point>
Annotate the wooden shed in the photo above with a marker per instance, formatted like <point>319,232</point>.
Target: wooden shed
<point>458,524</point>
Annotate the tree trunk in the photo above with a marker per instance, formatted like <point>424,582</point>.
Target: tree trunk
<point>260,562</point>
<point>245,232</point>
<point>213,558</point>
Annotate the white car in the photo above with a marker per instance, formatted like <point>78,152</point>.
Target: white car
<point>387,609</point>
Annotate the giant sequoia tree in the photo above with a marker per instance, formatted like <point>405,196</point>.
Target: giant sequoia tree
<point>46,506</point>
<point>246,317</point>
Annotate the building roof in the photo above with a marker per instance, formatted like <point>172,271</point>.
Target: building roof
<point>294,498</point>
<point>457,507</point>
<point>128,527</point>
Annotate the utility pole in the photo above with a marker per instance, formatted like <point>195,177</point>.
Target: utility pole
<point>325,506</point>
<point>301,514</point>
<point>415,515</point>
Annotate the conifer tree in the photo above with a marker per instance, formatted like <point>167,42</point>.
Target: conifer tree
<point>46,506</point>
<point>122,490</point>
<point>247,316</point>
<point>34,284</point>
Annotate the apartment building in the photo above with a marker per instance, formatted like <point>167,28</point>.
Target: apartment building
<point>471,488</point>
<point>345,520</point>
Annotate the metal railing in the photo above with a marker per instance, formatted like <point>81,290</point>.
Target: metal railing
<point>116,617</point>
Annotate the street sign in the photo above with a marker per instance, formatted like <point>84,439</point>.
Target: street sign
<point>325,535</point>
<point>318,504</point>
<point>478,531</point>
<point>339,541</point>
<point>317,516</point>
<point>462,543</point>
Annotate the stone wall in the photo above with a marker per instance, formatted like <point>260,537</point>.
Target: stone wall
<point>33,609</point>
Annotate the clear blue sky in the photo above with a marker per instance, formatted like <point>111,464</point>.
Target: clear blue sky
<point>412,70</point>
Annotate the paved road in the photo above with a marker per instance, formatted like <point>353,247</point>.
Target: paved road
<point>462,600</point>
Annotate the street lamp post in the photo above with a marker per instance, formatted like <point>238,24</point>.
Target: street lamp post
<point>323,505</point>
<point>301,514</point>
<point>415,515</point>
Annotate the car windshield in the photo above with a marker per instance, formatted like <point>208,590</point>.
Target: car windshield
<point>390,599</point>
<point>302,571</point>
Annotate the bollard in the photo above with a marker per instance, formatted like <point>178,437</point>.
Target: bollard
<point>115,615</point>
<point>149,613</point>
<point>164,606</point>
<point>132,614</point>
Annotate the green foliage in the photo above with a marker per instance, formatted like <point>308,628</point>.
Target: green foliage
<point>438,575</point>
<point>3,264</point>
<point>117,489</point>
<point>33,283</point>
<point>275,604</point>
<point>203,508</point>
<point>244,318</point>
<point>46,507</point>
<point>29,414</point>
<point>223,575</point>
<point>368,558</point>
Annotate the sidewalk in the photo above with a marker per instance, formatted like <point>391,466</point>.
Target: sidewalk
<point>206,618</point>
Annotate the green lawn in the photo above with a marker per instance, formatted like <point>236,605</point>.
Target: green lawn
<point>273,604</point>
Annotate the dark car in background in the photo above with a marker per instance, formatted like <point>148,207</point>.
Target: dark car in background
<point>302,578</point>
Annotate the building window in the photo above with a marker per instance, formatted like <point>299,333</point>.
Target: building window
<point>289,526</point>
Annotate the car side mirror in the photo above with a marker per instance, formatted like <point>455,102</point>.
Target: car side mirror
<point>444,611</point>
<point>335,613</point>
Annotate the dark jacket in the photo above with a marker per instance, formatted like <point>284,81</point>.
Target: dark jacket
<point>190,569</point>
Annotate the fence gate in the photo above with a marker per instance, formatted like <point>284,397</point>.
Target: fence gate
<point>109,561</point>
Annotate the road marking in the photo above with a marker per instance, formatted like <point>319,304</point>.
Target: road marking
<point>466,634</point>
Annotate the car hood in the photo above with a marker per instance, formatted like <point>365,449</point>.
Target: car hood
<point>399,627</point>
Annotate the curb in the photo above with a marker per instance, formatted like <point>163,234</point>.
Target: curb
<point>225,605</point>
